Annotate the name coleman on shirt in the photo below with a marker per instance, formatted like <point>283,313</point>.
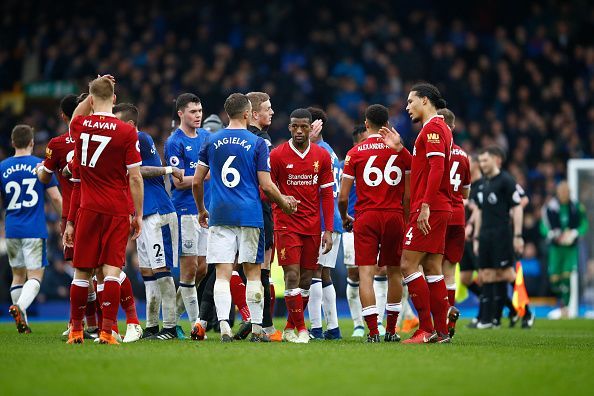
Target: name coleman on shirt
<point>302,180</point>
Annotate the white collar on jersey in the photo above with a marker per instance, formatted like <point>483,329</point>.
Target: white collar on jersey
<point>377,135</point>
<point>427,122</point>
<point>103,113</point>
<point>299,153</point>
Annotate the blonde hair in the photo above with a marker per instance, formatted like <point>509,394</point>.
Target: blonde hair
<point>101,88</point>
<point>256,99</point>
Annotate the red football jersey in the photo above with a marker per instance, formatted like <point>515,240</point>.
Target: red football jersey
<point>379,173</point>
<point>301,175</point>
<point>58,154</point>
<point>435,139</point>
<point>105,148</point>
<point>459,180</point>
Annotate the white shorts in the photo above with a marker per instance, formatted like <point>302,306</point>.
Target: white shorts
<point>328,260</point>
<point>193,238</point>
<point>348,248</point>
<point>226,242</point>
<point>29,253</point>
<point>158,242</point>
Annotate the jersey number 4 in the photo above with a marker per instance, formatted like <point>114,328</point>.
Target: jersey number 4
<point>15,187</point>
<point>85,137</point>
<point>455,179</point>
<point>379,175</point>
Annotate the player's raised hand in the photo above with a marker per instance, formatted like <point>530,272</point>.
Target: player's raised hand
<point>39,165</point>
<point>203,218</point>
<point>136,226</point>
<point>68,236</point>
<point>326,242</point>
<point>423,219</point>
<point>347,223</point>
<point>178,174</point>
<point>108,76</point>
<point>391,138</point>
<point>316,129</point>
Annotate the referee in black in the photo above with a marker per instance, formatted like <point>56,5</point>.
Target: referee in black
<point>497,236</point>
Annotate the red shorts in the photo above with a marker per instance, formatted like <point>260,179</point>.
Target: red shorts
<point>454,243</point>
<point>68,251</point>
<point>293,248</point>
<point>100,239</point>
<point>378,232</point>
<point>434,242</point>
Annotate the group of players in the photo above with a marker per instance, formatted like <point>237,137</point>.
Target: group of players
<point>233,200</point>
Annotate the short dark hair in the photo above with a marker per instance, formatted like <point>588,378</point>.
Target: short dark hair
<point>429,91</point>
<point>301,113</point>
<point>236,104</point>
<point>21,136</point>
<point>184,99</point>
<point>317,114</point>
<point>377,115</point>
<point>129,112</point>
<point>358,130</point>
<point>68,104</point>
<point>448,116</point>
<point>494,151</point>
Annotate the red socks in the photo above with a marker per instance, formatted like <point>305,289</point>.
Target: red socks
<point>79,290</point>
<point>127,301</point>
<point>109,305</point>
<point>419,294</point>
<point>439,302</point>
<point>238,296</point>
<point>90,313</point>
<point>392,311</point>
<point>452,295</point>
<point>370,316</point>
<point>295,308</point>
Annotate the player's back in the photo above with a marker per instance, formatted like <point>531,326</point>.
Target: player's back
<point>156,199</point>
<point>435,139</point>
<point>459,180</point>
<point>337,173</point>
<point>105,148</point>
<point>379,173</point>
<point>234,157</point>
<point>58,154</point>
<point>23,197</point>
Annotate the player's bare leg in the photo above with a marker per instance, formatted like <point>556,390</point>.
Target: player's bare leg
<point>419,294</point>
<point>153,302</point>
<point>394,303</point>
<point>449,275</point>
<point>78,302</point>
<point>380,287</point>
<point>294,302</point>
<point>354,301</point>
<point>368,300</point>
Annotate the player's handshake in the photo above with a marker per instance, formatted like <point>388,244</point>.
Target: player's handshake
<point>289,205</point>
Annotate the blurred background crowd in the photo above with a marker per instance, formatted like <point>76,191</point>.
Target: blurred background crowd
<point>516,74</point>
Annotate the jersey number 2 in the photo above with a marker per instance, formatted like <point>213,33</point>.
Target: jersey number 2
<point>85,137</point>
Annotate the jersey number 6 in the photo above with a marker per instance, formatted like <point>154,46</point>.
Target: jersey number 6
<point>379,176</point>
<point>228,170</point>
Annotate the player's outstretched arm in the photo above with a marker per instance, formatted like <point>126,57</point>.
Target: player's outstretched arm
<point>56,199</point>
<point>43,175</point>
<point>148,172</point>
<point>518,218</point>
<point>198,193</point>
<point>137,192</point>
<point>288,204</point>
<point>83,108</point>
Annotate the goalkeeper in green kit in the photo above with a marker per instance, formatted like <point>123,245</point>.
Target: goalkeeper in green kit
<point>563,222</point>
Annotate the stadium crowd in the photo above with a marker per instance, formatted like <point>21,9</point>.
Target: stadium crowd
<point>523,80</point>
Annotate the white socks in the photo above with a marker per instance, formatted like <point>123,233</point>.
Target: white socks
<point>314,305</point>
<point>28,293</point>
<point>15,293</point>
<point>222,299</point>
<point>329,305</point>
<point>190,298</point>
<point>167,291</point>
<point>153,301</point>
<point>254,297</point>
<point>352,293</point>
<point>380,287</point>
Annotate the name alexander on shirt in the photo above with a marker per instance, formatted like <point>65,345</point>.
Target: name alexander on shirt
<point>233,140</point>
<point>371,146</point>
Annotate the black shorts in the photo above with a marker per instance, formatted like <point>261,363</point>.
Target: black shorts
<point>496,248</point>
<point>468,262</point>
<point>268,226</point>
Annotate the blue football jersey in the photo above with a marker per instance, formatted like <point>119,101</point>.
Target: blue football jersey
<point>337,173</point>
<point>352,194</point>
<point>23,197</point>
<point>156,199</point>
<point>235,156</point>
<point>182,151</point>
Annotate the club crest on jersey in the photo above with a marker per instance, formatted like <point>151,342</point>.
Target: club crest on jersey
<point>283,254</point>
<point>188,244</point>
<point>174,161</point>
<point>316,166</point>
<point>433,137</point>
<point>347,159</point>
<point>48,153</point>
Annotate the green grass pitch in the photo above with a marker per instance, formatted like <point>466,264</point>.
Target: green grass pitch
<point>555,358</point>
